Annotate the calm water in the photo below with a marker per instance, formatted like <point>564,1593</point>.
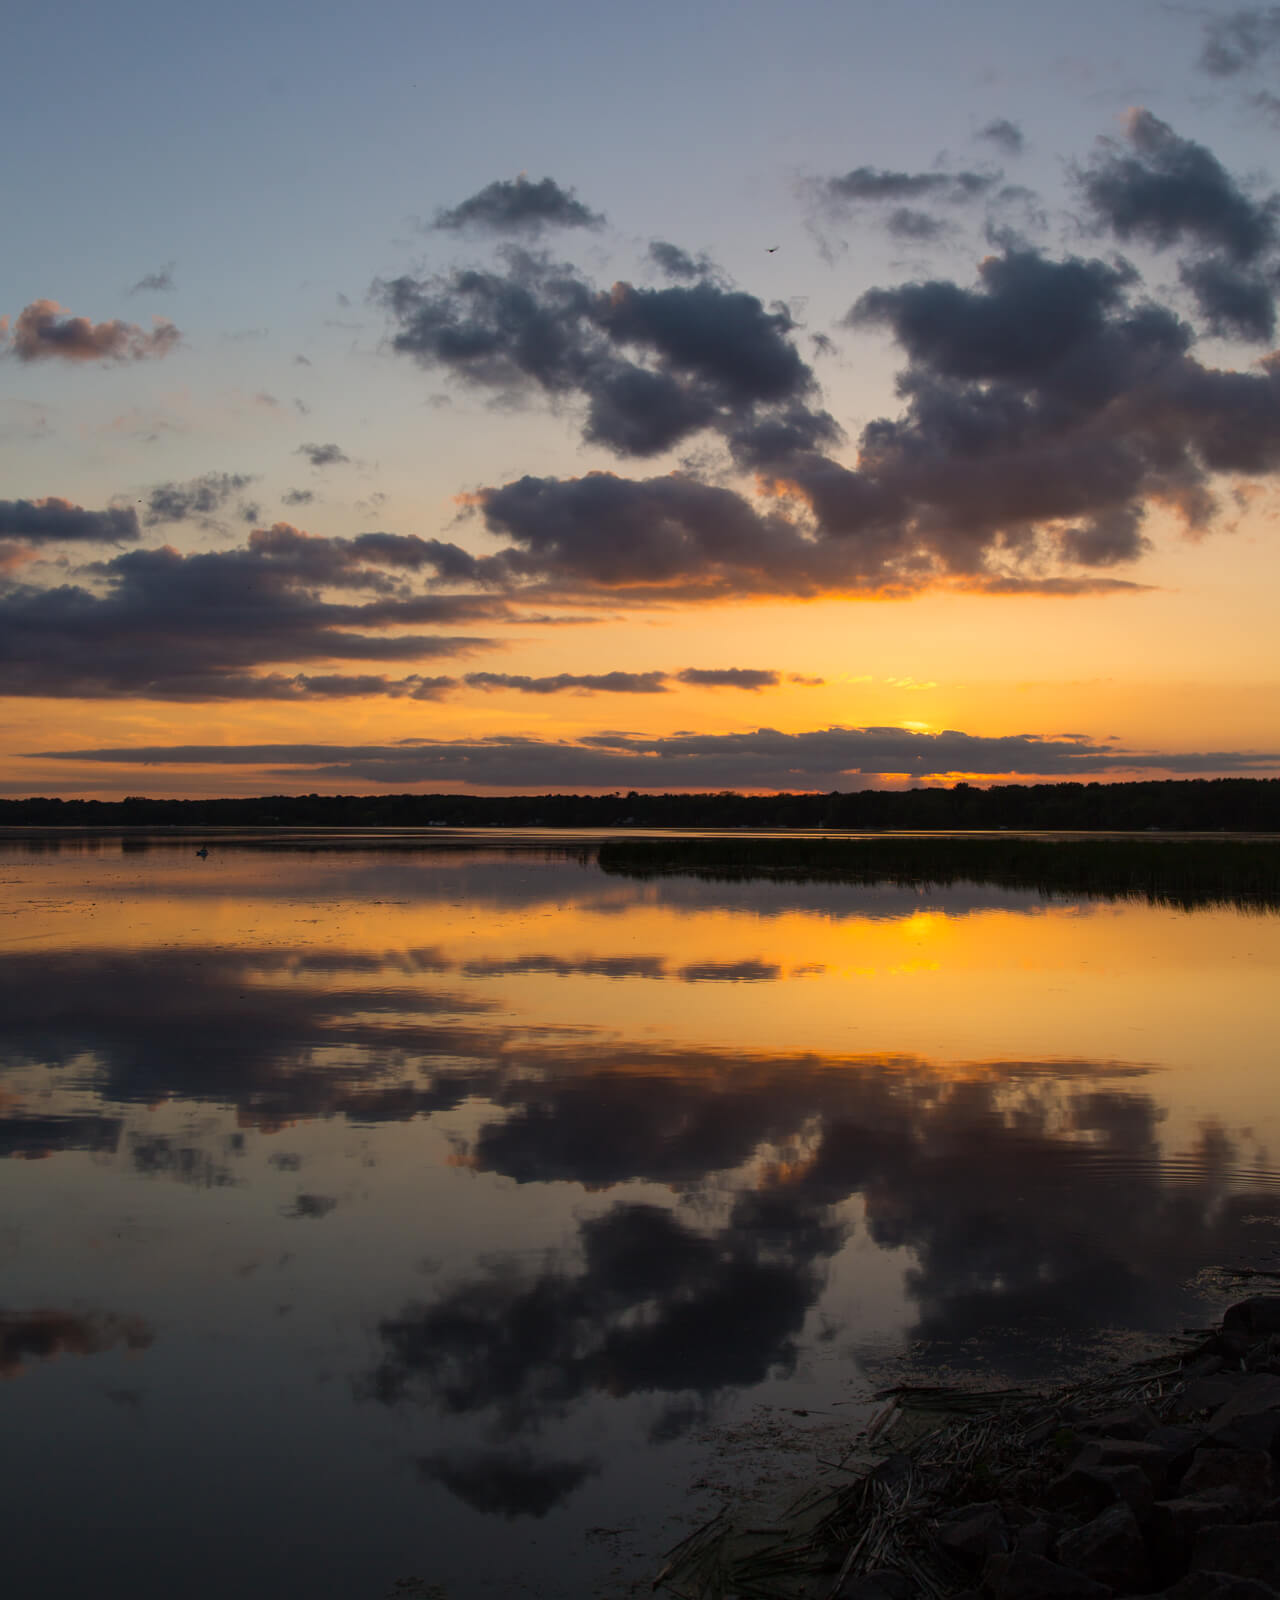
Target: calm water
<point>475,1215</point>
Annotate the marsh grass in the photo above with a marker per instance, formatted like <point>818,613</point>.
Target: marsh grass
<point>1184,873</point>
<point>928,1449</point>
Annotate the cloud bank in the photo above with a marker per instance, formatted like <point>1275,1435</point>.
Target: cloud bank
<point>821,760</point>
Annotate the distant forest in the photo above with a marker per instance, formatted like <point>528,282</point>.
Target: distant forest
<point>1234,804</point>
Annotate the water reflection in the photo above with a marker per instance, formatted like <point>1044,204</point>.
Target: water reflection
<point>27,1336</point>
<point>519,1176</point>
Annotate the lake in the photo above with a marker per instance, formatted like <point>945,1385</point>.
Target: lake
<point>455,1209</point>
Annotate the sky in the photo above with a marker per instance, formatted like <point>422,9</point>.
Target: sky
<point>773,397</point>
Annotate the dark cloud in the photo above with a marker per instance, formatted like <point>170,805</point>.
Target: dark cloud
<point>254,1031</point>
<point>1166,190</point>
<point>42,331</point>
<point>298,497</point>
<point>520,206</point>
<point>653,366</point>
<point>322,455</point>
<point>730,972</point>
<point>656,1305</point>
<point>52,520</point>
<point>1240,41</point>
<point>904,222</point>
<point>875,184</point>
<point>42,1335</point>
<point>573,682</point>
<point>1006,135</point>
<point>311,1205</point>
<point>1234,302</point>
<point>730,677</point>
<point>1044,409</point>
<point>155,282</point>
<point>822,760</point>
<point>34,1138</point>
<point>506,1483</point>
<point>561,967</point>
<point>160,624</point>
<point>199,497</point>
<point>1043,402</point>
<point>674,262</point>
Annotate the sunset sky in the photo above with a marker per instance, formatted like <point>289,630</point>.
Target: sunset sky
<point>700,395</point>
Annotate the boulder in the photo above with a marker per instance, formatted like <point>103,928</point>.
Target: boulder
<point>1181,1440</point>
<point>882,1583</point>
<point>1021,1576</point>
<point>1156,1463</point>
<point>972,1533</point>
<point>1109,1550</point>
<point>1220,1586</point>
<point>1255,1317</point>
<point>1131,1422</point>
<point>1085,1491</point>
<point>1246,1473</point>
<point>1172,1529</point>
<point>1249,1550</point>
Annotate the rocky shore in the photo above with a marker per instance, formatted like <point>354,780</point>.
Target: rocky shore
<point>1160,1480</point>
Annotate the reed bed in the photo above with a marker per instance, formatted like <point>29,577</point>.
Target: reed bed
<point>926,1450</point>
<point>1180,872</point>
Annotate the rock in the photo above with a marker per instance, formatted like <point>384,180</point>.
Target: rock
<point>1244,1472</point>
<point>1256,1395</point>
<point>1026,1577</point>
<point>1081,1492</point>
<point>1156,1463</point>
<point>1253,1431</point>
<point>1172,1529</point>
<point>1180,1440</point>
<point>1250,1550</point>
<point>1220,1586</point>
<point>1109,1550</point>
<point>882,1583</point>
<point>1259,1315</point>
<point>1133,1422</point>
<point>1203,1366</point>
<point>1207,1394</point>
<point>1035,1539</point>
<point>972,1533</point>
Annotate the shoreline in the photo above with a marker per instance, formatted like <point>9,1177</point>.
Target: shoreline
<point>1158,1477</point>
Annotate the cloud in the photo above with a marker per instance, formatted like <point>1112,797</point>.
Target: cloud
<point>819,760</point>
<point>298,497</point>
<point>1241,41</point>
<point>729,677</point>
<point>573,682</point>
<point>904,222</point>
<point>155,282</point>
<point>874,185</point>
<point>505,1483</point>
<point>654,1305</point>
<point>519,206</point>
<point>199,497</point>
<point>44,1334</point>
<point>1233,302</point>
<point>1006,135</point>
<point>161,624</point>
<point>1167,190</point>
<point>674,262</point>
<point>654,366</point>
<point>42,332</point>
<point>322,455</point>
<point>53,520</point>
<point>1044,409</point>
